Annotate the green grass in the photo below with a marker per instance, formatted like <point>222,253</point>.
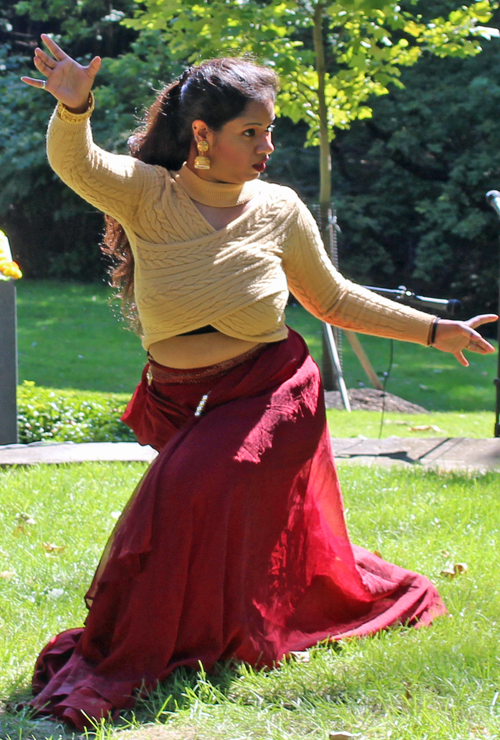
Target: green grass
<point>461,401</point>
<point>70,338</point>
<point>478,424</point>
<point>422,375</point>
<point>440,682</point>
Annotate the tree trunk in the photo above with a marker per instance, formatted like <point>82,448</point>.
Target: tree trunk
<point>325,168</point>
<point>325,187</point>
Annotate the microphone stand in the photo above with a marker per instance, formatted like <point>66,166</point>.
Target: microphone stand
<point>493,200</point>
<point>403,295</point>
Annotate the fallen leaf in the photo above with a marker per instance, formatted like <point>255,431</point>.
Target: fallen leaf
<point>157,732</point>
<point>7,574</point>
<point>448,573</point>
<point>454,570</point>
<point>302,656</point>
<point>340,735</point>
<point>49,547</point>
<point>425,428</point>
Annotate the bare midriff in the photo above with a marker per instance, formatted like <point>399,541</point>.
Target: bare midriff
<point>198,350</point>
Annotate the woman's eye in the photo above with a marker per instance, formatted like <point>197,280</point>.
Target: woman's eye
<point>251,131</point>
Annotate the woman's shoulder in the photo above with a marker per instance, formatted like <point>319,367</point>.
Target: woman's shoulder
<point>156,176</point>
<point>281,194</point>
<point>287,201</point>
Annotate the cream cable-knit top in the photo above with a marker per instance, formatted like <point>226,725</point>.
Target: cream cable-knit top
<point>188,275</point>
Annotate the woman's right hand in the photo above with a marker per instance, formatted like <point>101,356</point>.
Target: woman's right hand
<point>67,80</point>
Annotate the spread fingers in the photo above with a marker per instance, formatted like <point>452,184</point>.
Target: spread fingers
<point>42,67</point>
<point>478,344</point>
<point>41,56</point>
<point>484,318</point>
<point>54,49</point>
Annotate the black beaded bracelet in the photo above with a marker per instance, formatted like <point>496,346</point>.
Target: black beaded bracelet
<point>433,331</point>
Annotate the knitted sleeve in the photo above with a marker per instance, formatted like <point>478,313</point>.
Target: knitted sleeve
<point>323,291</point>
<point>113,183</point>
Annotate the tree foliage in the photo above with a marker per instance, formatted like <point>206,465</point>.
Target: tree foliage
<point>412,182</point>
<point>52,231</point>
<point>409,193</point>
<point>331,57</point>
<point>409,178</point>
<point>366,43</point>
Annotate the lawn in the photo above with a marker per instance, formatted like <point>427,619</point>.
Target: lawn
<point>69,337</point>
<point>441,682</point>
<point>422,375</point>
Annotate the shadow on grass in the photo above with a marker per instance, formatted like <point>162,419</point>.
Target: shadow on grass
<point>175,695</point>
<point>228,682</point>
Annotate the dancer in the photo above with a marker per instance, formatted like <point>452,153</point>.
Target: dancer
<point>234,544</point>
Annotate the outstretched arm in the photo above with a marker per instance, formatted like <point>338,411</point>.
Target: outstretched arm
<point>113,183</point>
<point>329,296</point>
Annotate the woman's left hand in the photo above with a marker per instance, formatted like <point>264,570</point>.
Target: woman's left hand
<point>455,336</point>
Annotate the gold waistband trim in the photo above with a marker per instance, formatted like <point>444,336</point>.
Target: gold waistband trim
<point>162,374</point>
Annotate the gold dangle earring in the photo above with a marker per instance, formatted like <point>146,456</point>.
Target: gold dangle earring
<point>201,162</point>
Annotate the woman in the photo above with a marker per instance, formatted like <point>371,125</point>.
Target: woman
<point>234,543</point>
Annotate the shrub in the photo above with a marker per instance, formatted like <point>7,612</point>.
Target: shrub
<point>45,414</point>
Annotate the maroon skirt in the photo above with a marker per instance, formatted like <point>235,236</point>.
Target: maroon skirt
<point>233,545</point>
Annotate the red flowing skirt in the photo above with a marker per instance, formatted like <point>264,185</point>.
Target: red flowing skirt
<point>233,545</point>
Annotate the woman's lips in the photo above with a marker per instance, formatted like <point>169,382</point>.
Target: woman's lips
<point>260,167</point>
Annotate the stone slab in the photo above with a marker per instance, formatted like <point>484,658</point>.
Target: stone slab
<point>8,363</point>
<point>67,452</point>
<point>453,453</point>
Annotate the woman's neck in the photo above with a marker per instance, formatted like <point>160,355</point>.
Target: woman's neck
<point>216,194</point>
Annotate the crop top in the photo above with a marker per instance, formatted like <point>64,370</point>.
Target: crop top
<point>188,274</point>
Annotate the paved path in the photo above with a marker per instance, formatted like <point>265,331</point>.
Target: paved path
<point>442,453</point>
<point>455,453</point>
<point>68,452</point>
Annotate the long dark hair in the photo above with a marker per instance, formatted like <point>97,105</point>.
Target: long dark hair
<point>215,92</point>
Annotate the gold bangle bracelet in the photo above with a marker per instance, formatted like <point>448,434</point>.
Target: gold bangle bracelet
<point>65,115</point>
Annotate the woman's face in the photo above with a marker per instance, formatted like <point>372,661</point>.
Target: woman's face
<point>240,150</point>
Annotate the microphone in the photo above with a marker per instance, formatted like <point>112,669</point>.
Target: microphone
<point>493,200</point>
<point>404,295</point>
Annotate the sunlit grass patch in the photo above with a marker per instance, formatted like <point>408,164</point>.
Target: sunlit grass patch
<point>438,682</point>
<point>474,424</point>
<point>70,338</point>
